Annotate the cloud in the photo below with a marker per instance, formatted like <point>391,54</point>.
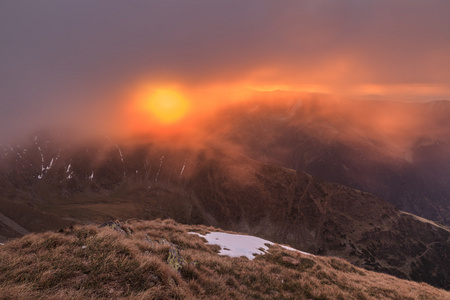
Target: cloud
<point>62,62</point>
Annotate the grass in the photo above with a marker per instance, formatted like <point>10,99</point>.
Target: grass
<point>88,262</point>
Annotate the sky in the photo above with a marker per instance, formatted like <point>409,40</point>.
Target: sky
<point>75,62</point>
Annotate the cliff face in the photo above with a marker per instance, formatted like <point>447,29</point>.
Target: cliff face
<point>54,184</point>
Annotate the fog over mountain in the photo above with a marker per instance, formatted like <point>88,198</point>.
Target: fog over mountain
<point>66,61</point>
<point>51,183</point>
<point>322,125</point>
<point>398,151</point>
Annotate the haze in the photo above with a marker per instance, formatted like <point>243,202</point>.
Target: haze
<point>76,63</point>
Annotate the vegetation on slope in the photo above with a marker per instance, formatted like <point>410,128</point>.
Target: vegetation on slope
<point>161,260</point>
<point>52,181</point>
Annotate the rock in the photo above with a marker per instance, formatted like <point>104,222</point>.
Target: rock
<point>114,225</point>
<point>175,260</point>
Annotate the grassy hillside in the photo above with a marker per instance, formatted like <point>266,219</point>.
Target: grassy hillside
<point>52,182</point>
<point>161,260</point>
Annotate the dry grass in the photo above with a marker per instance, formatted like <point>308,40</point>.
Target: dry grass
<point>88,262</point>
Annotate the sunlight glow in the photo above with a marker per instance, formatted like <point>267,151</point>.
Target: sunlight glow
<point>162,108</point>
<point>166,105</point>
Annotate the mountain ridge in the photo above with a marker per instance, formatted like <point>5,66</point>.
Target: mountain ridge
<point>398,151</point>
<point>163,259</point>
<point>227,190</point>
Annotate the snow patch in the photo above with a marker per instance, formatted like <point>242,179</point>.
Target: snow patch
<point>42,161</point>
<point>50,165</point>
<point>236,245</point>
<point>293,249</point>
<point>159,170</point>
<point>182,169</point>
<point>44,169</point>
<point>69,172</point>
<point>120,152</point>
<point>121,158</point>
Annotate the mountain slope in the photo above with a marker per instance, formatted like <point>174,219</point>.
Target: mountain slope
<point>397,151</point>
<point>100,181</point>
<point>161,260</point>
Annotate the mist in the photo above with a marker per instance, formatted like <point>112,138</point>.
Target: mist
<point>72,63</point>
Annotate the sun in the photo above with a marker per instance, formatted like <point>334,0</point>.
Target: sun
<point>165,105</point>
<point>155,108</point>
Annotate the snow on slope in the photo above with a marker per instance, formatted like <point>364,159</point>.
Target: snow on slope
<point>236,245</point>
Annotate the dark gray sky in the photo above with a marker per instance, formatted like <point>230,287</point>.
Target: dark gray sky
<point>68,61</point>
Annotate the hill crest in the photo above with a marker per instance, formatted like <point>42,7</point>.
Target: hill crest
<point>161,260</point>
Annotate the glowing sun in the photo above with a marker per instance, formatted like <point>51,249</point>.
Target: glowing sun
<point>166,105</point>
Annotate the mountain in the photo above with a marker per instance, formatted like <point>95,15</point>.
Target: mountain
<point>165,260</point>
<point>397,151</point>
<point>60,182</point>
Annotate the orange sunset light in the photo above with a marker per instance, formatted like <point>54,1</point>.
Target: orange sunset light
<point>173,108</point>
<point>155,107</point>
<point>164,104</point>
